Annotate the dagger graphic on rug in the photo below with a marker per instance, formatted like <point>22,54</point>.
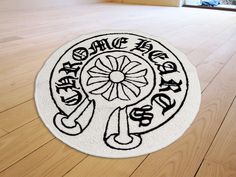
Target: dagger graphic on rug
<point>77,120</point>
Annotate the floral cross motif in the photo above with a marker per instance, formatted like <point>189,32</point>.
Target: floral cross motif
<point>117,78</point>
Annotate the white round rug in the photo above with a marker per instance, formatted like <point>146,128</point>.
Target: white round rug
<point>117,94</point>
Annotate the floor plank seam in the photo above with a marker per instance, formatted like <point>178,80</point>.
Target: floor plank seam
<point>75,165</point>
<point>4,130</point>
<point>15,105</point>
<point>200,165</point>
<point>8,132</point>
<point>221,164</point>
<point>204,158</point>
<point>139,165</point>
<point>27,155</point>
<point>199,64</point>
<point>10,39</point>
<point>216,35</point>
<point>219,71</point>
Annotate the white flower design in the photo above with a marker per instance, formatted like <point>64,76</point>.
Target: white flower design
<point>118,78</point>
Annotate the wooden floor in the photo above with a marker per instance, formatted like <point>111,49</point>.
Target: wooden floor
<point>207,37</point>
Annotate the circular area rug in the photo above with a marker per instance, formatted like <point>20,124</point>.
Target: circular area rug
<point>117,94</point>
